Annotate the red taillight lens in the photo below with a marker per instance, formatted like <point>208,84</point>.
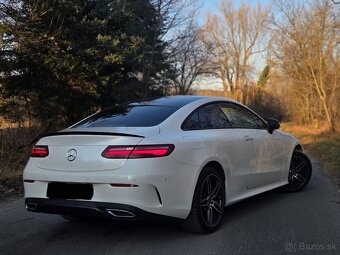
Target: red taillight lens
<point>141,151</point>
<point>152,151</point>
<point>39,151</point>
<point>117,151</point>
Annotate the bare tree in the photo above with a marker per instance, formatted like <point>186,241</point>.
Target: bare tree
<point>187,54</point>
<point>234,37</point>
<point>189,61</point>
<point>306,47</point>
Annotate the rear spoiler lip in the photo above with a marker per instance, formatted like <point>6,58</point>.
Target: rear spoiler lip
<point>83,133</point>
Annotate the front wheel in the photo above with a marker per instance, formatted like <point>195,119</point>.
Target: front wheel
<point>208,203</point>
<point>300,172</point>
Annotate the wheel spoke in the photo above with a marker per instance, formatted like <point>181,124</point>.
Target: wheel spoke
<point>216,190</point>
<point>300,166</point>
<point>299,177</point>
<point>204,202</point>
<point>216,206</point>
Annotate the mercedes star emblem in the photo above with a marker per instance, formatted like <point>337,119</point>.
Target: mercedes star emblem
<point>71,155</point>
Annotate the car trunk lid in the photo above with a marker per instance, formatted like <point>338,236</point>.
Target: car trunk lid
<point>79,150</point>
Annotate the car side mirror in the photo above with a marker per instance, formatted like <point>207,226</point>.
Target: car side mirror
<point>272,125</point>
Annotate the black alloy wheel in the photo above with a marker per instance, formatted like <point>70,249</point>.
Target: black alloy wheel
<point>211,203</point>
<point>300,172</point>
<point>208,203</point>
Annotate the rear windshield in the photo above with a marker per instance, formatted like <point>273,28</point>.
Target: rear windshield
<point>128,116</point>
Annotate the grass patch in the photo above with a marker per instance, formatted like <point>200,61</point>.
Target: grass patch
<point>322,145</point>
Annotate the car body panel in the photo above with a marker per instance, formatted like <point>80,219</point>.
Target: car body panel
<point>267,162</point>
<point>87,149</point>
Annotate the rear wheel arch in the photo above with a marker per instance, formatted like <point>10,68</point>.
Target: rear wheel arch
<point>298,147</point>
<point>216,165</point>
<point>212,163</point>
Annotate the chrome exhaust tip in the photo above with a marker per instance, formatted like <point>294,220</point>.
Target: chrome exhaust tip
<point>118,213</point>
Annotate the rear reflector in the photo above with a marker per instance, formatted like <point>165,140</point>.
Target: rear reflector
<point>123,185</point>
<point>39,151</point>
<point>29,181</point>
<point>140,151</point>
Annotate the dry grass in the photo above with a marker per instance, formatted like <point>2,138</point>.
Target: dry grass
<point>321,144</point>
<point>15,144</point>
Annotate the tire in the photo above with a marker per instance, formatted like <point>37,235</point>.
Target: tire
<point>300,172</point>
<point>208,204</point>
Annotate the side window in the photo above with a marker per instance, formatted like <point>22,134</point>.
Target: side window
<point>192,122</point>
<point>210,116</point>
<point>241,117</point>
<point>207,117</point>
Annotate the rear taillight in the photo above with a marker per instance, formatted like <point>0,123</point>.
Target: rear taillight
<point>140,151</point>
<point>151,151</point>
<point>117,151</point>
<point>39,151</point>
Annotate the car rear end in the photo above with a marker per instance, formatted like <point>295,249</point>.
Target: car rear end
<point>121,172</point>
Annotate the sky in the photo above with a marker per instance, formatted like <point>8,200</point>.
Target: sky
<point>211,5</point>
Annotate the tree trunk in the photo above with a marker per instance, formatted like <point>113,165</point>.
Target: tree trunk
<point>329,119</point>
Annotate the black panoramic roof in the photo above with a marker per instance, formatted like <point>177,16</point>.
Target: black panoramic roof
<point>169,101</point>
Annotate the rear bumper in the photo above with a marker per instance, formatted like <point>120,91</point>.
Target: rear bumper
<point>163,186</point>
<point>90,208</point>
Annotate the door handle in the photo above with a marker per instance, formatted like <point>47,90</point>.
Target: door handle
<point>248,138</point>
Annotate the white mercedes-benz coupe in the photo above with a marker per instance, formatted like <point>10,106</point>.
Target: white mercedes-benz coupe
<point>184,157</point>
